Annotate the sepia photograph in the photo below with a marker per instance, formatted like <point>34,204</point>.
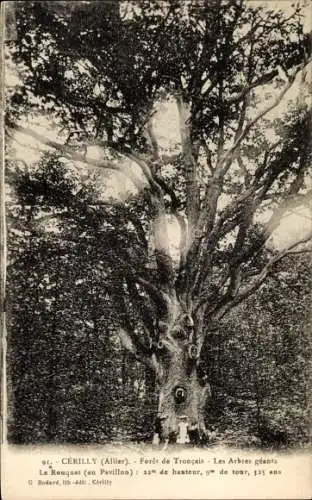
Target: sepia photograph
<point>157,227</point>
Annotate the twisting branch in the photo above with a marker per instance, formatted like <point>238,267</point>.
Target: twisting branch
<point>159,225</point>
<point>70,153</point>
<point>240,213</point>
<point>129,338</point>
<point>260,278</point>
<point>163,256</point>
<point>127,341</point>
<point>199,247</point>
<point>235,262</point>
<point>160,298</point>
<point>146,170</point>
<point>227,158</point>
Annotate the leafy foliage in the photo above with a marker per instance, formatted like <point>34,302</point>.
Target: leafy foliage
<point>63,351</point>
<point>260,364</point>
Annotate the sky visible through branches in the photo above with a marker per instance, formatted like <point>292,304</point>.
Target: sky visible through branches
<point>167,132</point>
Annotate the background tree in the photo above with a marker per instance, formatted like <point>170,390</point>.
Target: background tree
<point>228,185</point>
<point>260,363</point>
<point>70,377</point>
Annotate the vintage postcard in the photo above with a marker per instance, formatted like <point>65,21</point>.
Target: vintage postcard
<point>156,240</point>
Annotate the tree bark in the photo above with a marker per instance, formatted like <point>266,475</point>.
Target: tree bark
<point>182,398</point>
<point>183,392</point>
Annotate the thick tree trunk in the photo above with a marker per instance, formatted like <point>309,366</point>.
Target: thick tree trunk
<point>182,399</point>
<point>183,393</point>
<point>173,355</point>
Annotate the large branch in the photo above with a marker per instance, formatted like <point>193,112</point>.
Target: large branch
<point>153,140</point>
<point>235,271</point>
<point>159,224</point>
<point>190,166</point>
<point>70,153</point>
<point>241,253</point>
<point>145,168</point>
<point>163,256</point>
<point>213,190</point>
<point>129,342</point>
<point>233,275</point>
<point>203,227</point>
<point>247,203</point>
<point>161,299</point>
<point>260,278</point>
<point>159,188</point>
<point>229,155</point>
<point>175,205</point>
